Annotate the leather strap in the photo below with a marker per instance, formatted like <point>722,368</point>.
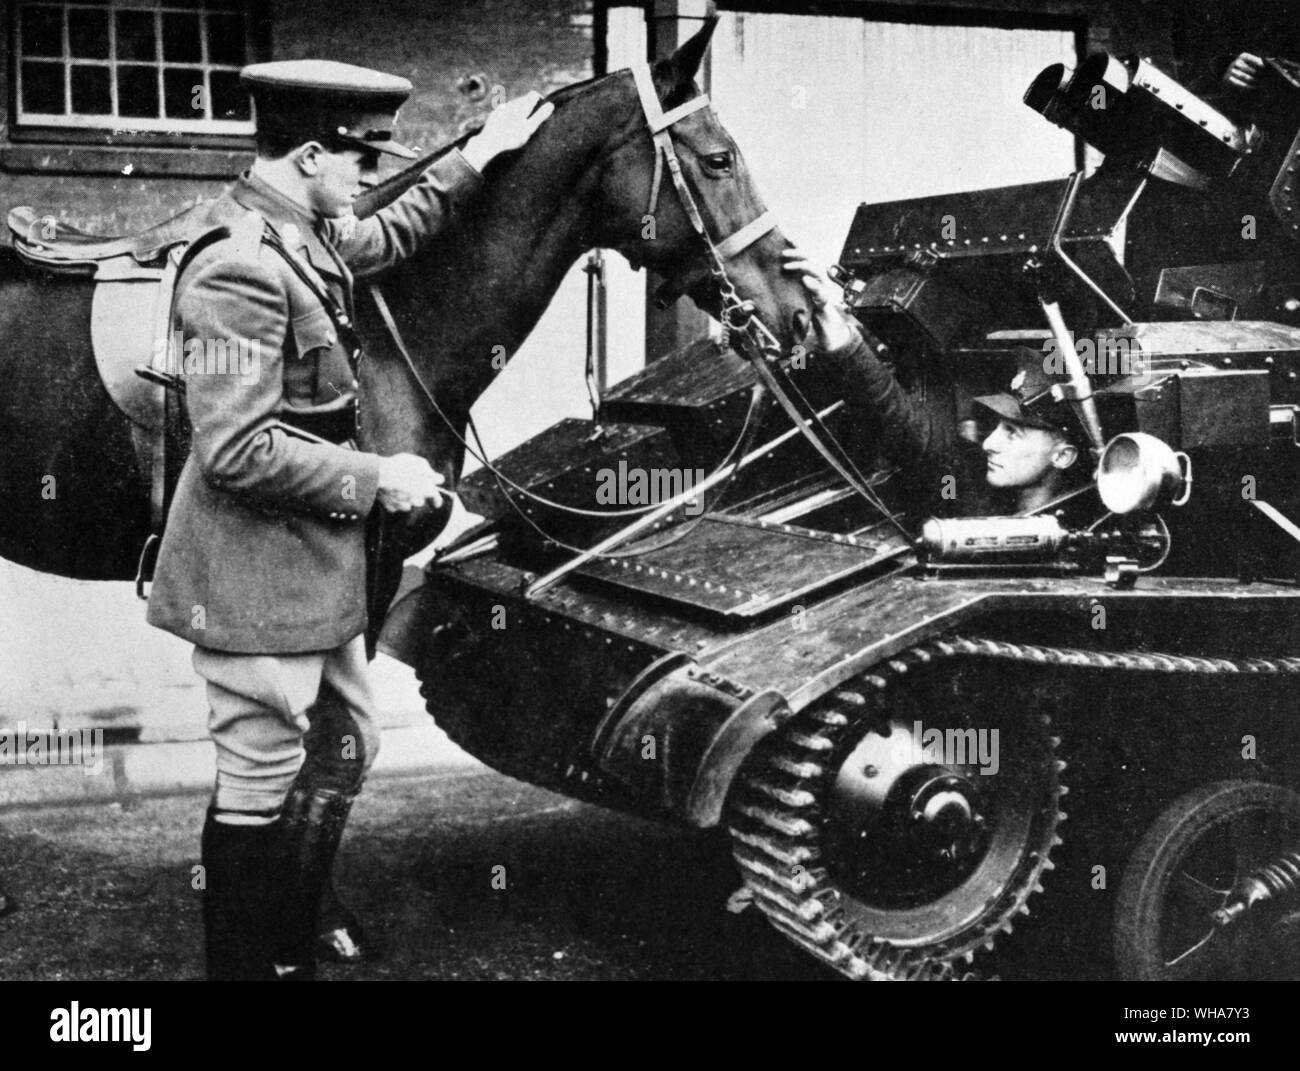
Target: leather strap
<point>810,426</point>
<point>750,233</point>
<point>338,315</point>
<point>162,344</point>
<point>661,123</point>
<point>157,441</point>
<point>655,115</point>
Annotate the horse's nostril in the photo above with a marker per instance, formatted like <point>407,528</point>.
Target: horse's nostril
<point>800,324</point>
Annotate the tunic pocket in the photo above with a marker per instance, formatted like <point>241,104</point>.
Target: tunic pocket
<point>312,336</point>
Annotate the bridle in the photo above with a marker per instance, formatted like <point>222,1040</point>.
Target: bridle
<point>740,321</point>
<point>736,315</point>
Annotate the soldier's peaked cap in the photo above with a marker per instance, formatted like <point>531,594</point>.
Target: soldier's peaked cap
<point>1029,399</point>
<point>321,100</point>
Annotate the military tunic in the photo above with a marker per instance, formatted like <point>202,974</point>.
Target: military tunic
<point>264,548</point>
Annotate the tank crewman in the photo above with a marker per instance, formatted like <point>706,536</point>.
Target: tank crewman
<point>1031,443</point>
<point>262,566</point>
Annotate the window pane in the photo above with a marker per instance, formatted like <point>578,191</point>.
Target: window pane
<point>43,88</point>
<point>181,39</point>
<point>88,34</point>
<point>90,93</point>
<point>183,93</point>
<point>42,31</point>
<point>135,39</point>
<point>226,40</point>
<point>229,99</point>
<point>137,92</point>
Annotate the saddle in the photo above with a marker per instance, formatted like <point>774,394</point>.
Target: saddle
<point>48,243</point>
<point>134,277</point>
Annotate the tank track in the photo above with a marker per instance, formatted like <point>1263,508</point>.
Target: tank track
<point>774,823</point>
<point>773,816</point>
<point>767,847</point>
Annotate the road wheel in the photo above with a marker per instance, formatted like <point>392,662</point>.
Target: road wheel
<point>1210,891</point>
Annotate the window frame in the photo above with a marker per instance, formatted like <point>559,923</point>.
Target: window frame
<point>167,149</point>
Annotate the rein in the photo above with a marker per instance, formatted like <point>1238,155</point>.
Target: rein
<point>739,317</point>
<point>739,321</point>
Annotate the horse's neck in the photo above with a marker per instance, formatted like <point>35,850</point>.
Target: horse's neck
<point>477,295</point>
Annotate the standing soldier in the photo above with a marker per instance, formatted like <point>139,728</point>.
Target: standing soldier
<point>262,566</point>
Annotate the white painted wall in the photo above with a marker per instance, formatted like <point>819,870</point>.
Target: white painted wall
<point>831,112</point>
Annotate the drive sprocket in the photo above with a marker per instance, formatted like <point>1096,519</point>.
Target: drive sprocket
<point>888,859</point>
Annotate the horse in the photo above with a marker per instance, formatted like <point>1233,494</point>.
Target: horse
<point>76,502</point>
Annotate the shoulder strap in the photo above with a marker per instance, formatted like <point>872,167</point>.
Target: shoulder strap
<point>338,315</point>
<point>217,234</point>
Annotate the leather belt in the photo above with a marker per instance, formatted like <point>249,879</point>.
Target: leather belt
<point>333,425</point>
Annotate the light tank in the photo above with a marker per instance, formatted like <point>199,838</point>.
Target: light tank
<point>884,709</point>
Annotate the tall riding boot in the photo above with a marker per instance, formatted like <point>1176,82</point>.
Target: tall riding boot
<point>313,826</point>
<point>239,900</point>
<point>334,766</point>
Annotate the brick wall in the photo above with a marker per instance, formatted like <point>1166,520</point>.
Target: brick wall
<point>516,44</point>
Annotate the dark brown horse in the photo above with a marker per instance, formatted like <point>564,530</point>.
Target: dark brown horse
<point>582,182</point>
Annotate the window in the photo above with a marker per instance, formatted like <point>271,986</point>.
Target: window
<point>132,65</point>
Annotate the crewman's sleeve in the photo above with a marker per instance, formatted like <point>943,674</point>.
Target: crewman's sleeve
<point>899,427</point>
<point>242,304</point>
<point>404,227</point>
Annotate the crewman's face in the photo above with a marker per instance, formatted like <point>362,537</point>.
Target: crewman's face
<point>340,178</point>
<point>1021,456</point>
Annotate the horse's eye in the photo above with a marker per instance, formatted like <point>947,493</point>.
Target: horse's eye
<point>718,161</point>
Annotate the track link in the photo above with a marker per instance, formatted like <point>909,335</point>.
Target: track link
<point>775,821</point>
<point>775,817</point>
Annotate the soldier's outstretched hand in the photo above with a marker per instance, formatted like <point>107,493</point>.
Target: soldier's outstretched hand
<point>835,330</point>
<point>1243,72</point>
<point>507,128</point>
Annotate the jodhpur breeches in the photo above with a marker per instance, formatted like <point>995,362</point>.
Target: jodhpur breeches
<point>273,715</point>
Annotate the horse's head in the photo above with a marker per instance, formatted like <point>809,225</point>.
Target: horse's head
<point>641,213</point>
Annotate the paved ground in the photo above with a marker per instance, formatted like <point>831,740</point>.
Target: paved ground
<point>103,878</point>
<point>104,891</point>
<point>103,886</point>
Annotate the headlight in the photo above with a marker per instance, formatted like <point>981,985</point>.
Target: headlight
<point>1139,471</point>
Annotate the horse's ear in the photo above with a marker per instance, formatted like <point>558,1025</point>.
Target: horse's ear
<point>680,68</point>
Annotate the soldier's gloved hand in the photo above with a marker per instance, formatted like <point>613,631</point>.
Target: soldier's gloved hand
<point>507,128</point>
<point>831,320</point>
<point>407,481</point>
<point>1243,72</point>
